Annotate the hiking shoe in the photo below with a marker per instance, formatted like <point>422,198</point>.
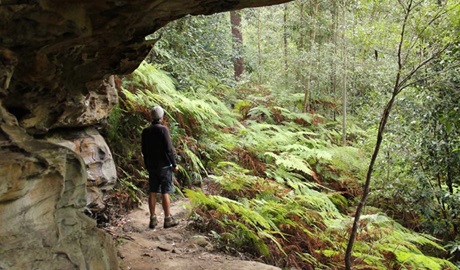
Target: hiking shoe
<point>153,222</point>
<point>170,222</point>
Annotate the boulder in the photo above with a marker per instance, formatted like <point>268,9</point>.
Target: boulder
<point>100,166</point>
<point>42,197</point>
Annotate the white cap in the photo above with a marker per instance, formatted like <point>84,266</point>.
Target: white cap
<point>157,113</point>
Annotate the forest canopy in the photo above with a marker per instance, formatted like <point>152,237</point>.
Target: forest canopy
<point>283,116</point>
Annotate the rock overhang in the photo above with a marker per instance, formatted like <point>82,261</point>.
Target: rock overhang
<point>62,46</point>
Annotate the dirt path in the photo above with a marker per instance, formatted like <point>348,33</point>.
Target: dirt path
<point>140,248</point>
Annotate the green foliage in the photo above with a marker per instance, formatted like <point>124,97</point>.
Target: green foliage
<point>421,157</point>
<point>265,216</point>
<point>339,201</point>
<point>126,184</point>
<point>197,51</point>
<point>248,231</point>
<point>265,225</point>
<point>281,185</point>
<point>243,107</point>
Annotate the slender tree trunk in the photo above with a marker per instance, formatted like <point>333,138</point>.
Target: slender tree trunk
<point>334,31</point>
<point>285,34</point>
<point>306,100</point>
<point>259,50</point>
<point>299,74</point>
<point>344,79</point>
<point>383,121</point>
<point>448,151</point>
<point>302,24</point>
<point>238,60</point>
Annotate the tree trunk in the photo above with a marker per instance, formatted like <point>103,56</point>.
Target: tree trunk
<point>344,79</point>
<point>286,73</point>
<point>306,100</point>
<point>334,30</point>
<point>397,88</point>
<point>259,51</point>
<point>300,76</point>
<point>238,60</point>
<point>302,24</point>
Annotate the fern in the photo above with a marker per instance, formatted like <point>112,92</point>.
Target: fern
<point>286,177</point>
<point>253,225</point>
<point>154,79</point>
<point>290,162</point>
<point>421,261</point>
<point>195,162</point>
<point>380,236</point>
<point>261,112</point>
<point>266,178</point>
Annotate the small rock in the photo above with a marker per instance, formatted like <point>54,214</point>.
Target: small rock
<point>127,227</point>
<point>199,240</point>
<point>172,236</point>
<point>209,247</point>
<point>165,247</point>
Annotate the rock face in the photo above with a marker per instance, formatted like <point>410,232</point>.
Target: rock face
<point>42,194</point>
<point>56,61</point>
<point>65,47</point>
<point>101,171</point>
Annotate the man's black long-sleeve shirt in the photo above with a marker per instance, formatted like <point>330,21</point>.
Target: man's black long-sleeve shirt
<point>157,147</point>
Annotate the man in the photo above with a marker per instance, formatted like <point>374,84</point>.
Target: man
<point>159,160</point>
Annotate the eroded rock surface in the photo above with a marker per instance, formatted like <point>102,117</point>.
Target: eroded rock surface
<point>65,47</point>
<point>42,196</point>
<point>101,171</point>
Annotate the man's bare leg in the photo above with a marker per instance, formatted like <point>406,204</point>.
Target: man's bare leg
<point>152,202</point>
<point>166,202</point>
<point>153,218</point>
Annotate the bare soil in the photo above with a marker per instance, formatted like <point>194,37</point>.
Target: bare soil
<point>141,248</point>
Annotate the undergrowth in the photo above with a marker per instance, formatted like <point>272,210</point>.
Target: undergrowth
<point>280,188</point>
<point>302,227</point>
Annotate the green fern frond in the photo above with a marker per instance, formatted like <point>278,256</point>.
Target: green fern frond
<point>260,111</point>
<point>307,257</point>
<point>283,176</point>
<point>294,116</point>
<point>324,154</point>
<point>371,261</point>
<point>296,148</point>
<point>290,162</point>
<point>421,261</point>
<point>195,162</point>
<point>270,236</point>
<point>290,179</point>
<point>232,165</point>
<point>199,199</point>
<point>155,79</point>
<point>319,202</point>
<point>252,237</point>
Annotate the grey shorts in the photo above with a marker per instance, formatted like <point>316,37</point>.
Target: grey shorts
<point>161,181</point>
